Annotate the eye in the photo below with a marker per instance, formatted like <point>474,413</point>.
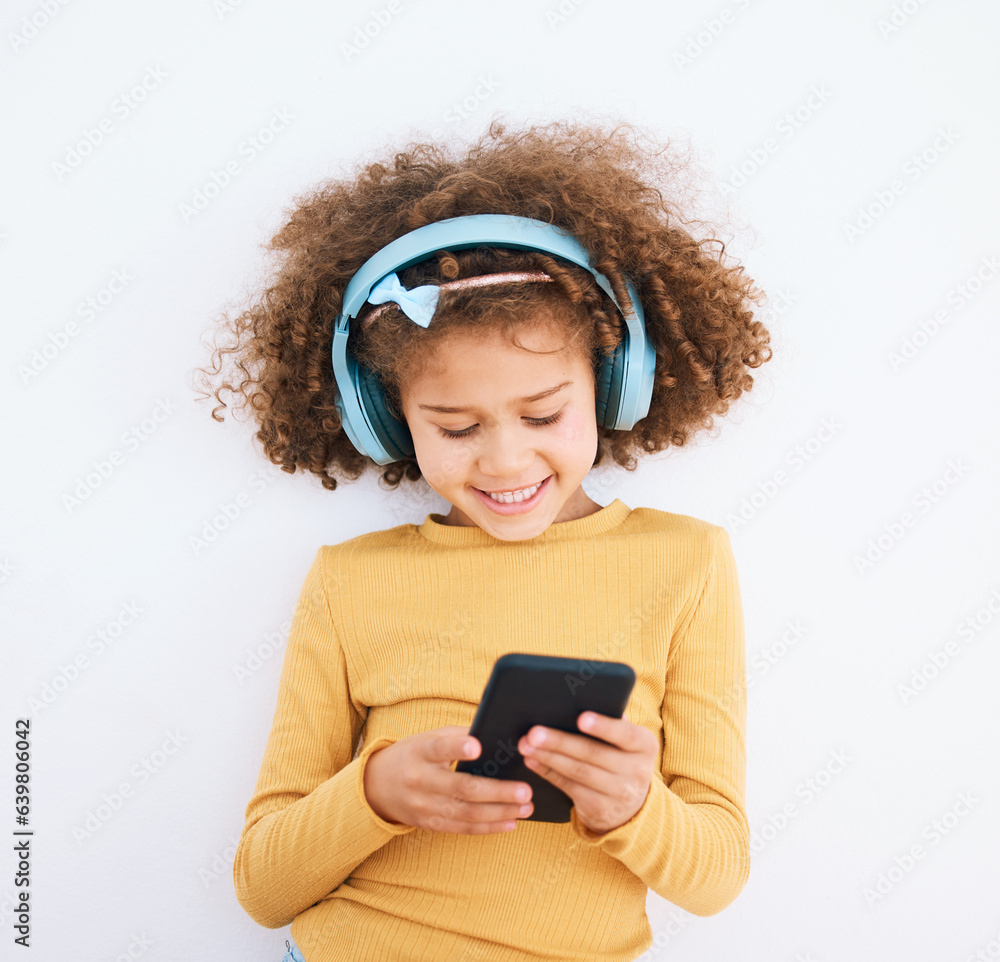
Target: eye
<point>537,422</point>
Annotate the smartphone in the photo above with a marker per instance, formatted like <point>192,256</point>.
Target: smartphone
<point>526,690</point>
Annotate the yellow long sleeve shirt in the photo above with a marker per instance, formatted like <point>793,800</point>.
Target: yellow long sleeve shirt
<point>396,632</point>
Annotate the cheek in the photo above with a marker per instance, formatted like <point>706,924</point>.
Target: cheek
<point>442,461</point>
<point>576,429</point>
<point>427,452</point>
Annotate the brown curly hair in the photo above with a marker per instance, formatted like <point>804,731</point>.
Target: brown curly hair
<point>600,185</point>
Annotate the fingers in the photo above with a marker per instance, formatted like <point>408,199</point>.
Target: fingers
<point>455,815</point>
<point>479,789</point>
<point>450,743</point>
<point>439,824</point>
<point>545,743</point>
<point>621,734</point>
<point>473,804</point>
<point>585,768</point>
<point>573,776</point>
<point>462,802</point>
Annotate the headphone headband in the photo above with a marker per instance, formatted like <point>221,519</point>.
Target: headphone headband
<point>624,388</point>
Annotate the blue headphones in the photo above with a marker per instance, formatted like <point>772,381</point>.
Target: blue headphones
<point>624,386</point>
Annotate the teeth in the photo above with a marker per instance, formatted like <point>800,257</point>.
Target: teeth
<point>509,497</point>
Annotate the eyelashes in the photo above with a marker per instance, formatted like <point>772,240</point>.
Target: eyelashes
<point>537,422</point>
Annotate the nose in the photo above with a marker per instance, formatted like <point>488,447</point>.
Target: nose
<point>507,453</point>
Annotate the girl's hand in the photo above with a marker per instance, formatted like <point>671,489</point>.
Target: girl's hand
<point>411,783</point>
<point>608,783</point>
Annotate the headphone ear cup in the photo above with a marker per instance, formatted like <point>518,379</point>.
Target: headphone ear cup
<point>610,385</point>
<point>391,432</point>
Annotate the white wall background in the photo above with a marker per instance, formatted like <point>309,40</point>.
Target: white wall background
<point>160,722</point>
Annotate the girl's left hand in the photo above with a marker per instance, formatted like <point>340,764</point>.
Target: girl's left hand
<point>608,783</point>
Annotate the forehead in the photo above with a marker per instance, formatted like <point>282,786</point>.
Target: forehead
<point>522,351</point>
<point>474,376</point>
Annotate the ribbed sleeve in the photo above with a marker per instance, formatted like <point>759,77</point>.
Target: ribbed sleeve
<point>308,824</point>
<point>690,841</point>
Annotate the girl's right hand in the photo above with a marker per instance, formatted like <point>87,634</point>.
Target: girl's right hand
<point>411,783</point>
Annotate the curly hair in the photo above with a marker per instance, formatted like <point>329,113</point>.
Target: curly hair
<point>600,185</point>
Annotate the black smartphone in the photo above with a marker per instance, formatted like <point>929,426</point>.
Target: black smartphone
<point>526,690</point>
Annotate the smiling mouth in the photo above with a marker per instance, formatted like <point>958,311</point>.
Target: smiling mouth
<point>514,496</point>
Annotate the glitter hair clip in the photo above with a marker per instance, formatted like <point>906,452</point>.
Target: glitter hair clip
<point>419,303</point>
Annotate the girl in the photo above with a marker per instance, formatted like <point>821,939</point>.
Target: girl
<point>500,372</point>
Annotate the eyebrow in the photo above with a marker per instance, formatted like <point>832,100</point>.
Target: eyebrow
<point>469,410</point>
